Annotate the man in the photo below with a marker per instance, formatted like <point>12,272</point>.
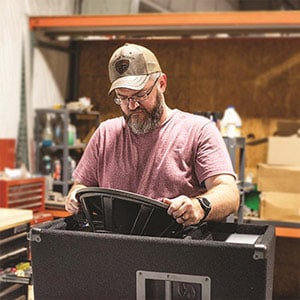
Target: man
<point>166,154</point>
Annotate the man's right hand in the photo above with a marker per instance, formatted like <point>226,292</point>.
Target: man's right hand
<point>72,205</point>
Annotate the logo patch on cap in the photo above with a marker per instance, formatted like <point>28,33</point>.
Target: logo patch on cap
<point>122,65</point>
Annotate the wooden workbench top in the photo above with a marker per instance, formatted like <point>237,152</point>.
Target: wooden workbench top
<point>10,217</point>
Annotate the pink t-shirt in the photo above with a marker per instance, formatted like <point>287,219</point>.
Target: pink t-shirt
<point>172,160</point>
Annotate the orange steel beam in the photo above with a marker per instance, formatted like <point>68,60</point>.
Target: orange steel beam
<point>287,232</point>
<point>233,19</point>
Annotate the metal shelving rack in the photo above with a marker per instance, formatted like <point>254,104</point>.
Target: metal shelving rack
<point>236,148</point>
<point>168,24</point>
<point>64,148</point>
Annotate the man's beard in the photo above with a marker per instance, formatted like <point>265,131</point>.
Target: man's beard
<point>148,121</point>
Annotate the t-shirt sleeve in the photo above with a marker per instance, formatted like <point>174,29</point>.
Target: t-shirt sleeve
<point>87,169</point>
<point>212,157</point>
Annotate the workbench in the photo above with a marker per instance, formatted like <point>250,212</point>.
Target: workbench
<point>14,248</point>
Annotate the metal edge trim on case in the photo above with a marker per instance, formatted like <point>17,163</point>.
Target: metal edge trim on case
<point>34,236</point>
<point>260,251</point>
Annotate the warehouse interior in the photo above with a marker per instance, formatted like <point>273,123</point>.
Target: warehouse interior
<point>216,54</point>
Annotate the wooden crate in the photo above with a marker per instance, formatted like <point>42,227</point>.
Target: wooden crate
<point>27,193</point>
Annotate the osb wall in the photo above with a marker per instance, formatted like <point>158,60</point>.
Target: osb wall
<point>260,77</point>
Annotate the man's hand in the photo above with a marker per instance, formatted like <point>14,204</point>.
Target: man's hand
<point>72,205</point>
<point>185,210</point>
<point>223,194</point>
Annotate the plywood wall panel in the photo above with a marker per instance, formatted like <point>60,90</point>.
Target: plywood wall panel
<point>259,76</point>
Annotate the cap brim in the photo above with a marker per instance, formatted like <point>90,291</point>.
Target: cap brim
<point>129,82</point>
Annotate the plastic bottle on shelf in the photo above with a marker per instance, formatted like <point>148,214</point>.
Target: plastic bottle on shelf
<point>57,169</point>
<point>71,167</point>
<point>47,167</point>
<point>71,134</point>
<point>47,134</point>
<point>58,131</point>
<point>231,123</point>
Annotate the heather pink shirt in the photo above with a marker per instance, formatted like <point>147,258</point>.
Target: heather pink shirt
<point>172,160</point>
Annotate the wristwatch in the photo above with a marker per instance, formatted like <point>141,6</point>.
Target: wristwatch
<point>205,204</point>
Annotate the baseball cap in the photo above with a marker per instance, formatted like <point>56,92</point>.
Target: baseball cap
<point>130,66</point>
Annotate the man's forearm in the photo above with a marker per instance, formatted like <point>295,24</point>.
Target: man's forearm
<point>224,197</point>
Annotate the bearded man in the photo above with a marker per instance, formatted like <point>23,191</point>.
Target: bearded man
<point>166,154</point>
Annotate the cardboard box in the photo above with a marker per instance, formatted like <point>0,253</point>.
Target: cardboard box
<point>276,178</point>
<point>279,206</point>
<point>287,128</point>
<point>284,150</point>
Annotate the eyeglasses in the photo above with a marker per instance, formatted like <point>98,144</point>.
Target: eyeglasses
<point>139,98</point>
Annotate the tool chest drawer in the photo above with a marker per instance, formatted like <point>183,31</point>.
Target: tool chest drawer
<point>13,245</point>
<point>14,252</point>
<point>13,291</point>
<point>28,193</point>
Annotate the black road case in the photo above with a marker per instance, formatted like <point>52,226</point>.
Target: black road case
<point>98,255</point>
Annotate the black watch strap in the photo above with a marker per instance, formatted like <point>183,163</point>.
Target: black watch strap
<point>206,206</point>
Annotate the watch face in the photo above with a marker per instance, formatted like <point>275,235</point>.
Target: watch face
<point>205,202</point>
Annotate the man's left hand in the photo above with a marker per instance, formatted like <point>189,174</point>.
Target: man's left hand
<point>185,210</point>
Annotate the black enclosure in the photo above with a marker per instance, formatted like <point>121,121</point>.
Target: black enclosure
<point>125,246</point>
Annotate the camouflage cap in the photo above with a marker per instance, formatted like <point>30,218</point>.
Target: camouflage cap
<point>130,67</point>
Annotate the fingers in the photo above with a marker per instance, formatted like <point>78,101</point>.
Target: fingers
<point>181,209</point>
<point>72,205</point>
<point>167,201</point>
<point>177,206</point>
<point>174,206</point>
